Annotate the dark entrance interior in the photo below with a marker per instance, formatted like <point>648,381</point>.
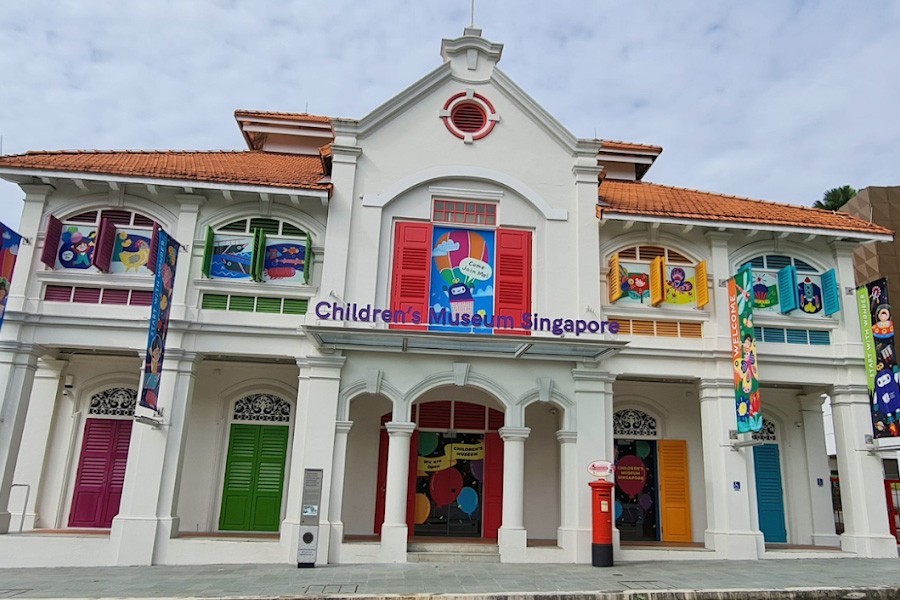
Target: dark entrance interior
<point>637,499</point>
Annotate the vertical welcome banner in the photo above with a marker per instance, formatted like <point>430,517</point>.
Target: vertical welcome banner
<point>166,258</point>
<point>882,372</point>
<point>9,249</point>
<point>743,351</point>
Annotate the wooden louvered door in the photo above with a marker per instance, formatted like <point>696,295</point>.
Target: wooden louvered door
<point>674,491</point>
<point>254,478</point>
<point>769,493</point>
<point>101,472</point>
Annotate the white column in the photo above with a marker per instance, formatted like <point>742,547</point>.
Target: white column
<point>147,512</point>
<point>335,510</point>
<point>35,440</point>
<point>866,530</point>
<point>313,447</point>
<point>594,406</point>
<point>27,260</point>
<point>821,509</point>
<point>731,526</point>
<point>186,232</point>
<point>512,535</point>
<point>568,505</point>
<point>394,530</point>
<point>18,364</point>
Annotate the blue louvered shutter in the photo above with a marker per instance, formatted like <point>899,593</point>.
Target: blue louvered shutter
<point>787,288</point>
<point>831,292</point>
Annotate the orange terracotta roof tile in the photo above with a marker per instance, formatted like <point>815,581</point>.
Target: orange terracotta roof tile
<point>240,167</point>
<point>650,199</point>
<point>628,146</point>
<point>285,116</point>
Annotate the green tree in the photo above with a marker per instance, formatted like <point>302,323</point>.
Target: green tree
<point>835,198</point>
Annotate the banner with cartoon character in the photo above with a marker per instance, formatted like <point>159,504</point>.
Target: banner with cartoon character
<point>9,249</point>
<point>882,372</point>
<point>166,258</point>
<point>743,351</point>
<point>462,279</point>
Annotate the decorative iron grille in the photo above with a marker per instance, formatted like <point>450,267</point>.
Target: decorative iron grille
<point>262,407</point>
<point>767,433</point>
<point>114,402</point>
<point>631,422</point>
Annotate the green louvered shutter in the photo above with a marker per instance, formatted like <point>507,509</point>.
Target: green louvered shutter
<point>307,260</point>
<point>787,288</point>
<point>831,292</point>
<point>208,251</point>
<point>270,477</point>
<point>240,468</point>
<point>259,255</point>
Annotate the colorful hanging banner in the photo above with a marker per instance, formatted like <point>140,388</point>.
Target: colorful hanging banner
<point>882,372</point>
<point>743,351</point>
<point>9,249</point>
<point>166,258</point>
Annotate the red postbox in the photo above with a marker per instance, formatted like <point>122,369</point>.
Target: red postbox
<point>603,511</point>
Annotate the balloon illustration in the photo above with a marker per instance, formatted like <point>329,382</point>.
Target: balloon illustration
<point>423,508</point>
<point>631,475</point>
<point>619,510</point>
<point>645,501</point>
<point>643,449</point>
<point>428,442</point>
<point>445,486</point>
<point>467,500</point>
<point>477,469</point>
<point>462,258</point>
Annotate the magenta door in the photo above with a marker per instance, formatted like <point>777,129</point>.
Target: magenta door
<point>101,472</point>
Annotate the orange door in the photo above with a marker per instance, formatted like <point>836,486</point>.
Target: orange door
<point>674,491</point>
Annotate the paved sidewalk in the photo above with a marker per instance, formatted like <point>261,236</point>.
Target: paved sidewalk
<point>859,578</point>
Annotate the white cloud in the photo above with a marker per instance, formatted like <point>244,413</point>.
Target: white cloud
<point>770,99</point>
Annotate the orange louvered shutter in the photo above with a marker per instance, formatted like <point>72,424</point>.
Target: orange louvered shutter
<point>674,491</point>
<point>702,288</point>
<point>657,281</point>
<point>614,279</point>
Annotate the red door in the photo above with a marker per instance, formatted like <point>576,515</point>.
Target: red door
<point>892,492</point>
<point>101,472</point>
<point>493,484</point>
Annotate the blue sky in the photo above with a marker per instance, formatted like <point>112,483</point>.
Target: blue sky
<point>772,99</point>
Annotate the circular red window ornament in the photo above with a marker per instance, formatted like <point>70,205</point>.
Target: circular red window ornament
<point>469,116</point>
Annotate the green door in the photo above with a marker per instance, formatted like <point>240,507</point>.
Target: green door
<point>254,476</point>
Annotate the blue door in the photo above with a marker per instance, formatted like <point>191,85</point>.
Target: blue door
<point>769,493</point>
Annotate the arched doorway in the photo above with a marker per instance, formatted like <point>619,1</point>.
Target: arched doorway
<point>769,488</point>
<point>104,455</point>
<point>254,467</point>
<point>455,471</point>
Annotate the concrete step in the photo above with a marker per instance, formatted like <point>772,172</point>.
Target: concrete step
<point>452,553</point>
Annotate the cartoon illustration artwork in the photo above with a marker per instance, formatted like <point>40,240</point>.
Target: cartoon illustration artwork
<point>285,261</point>
<point>680,286</point>
<point>131,252</point>
<point>765,291</point>
<point>76,248</point>
<point>883,327</point>
<point>167,257</point>
<point>462,277</point>
<point>810,296</point>
<point>743,353</point>
<point>232,257</point>
<point>887,390</point>
<point>635,282</point>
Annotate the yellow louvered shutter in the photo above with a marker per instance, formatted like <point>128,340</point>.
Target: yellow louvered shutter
<point>702,288</point>
<point>674,491</point>
<point>614,280</point>
<point>657,281</point>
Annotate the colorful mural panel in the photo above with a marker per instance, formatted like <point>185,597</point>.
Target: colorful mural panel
<point>883,373</point>
<point>166,259</point>
<point>76,247</point>
<point>765,291</point>
<point>9,249</point>
<point>743,351</point>
<point>285,261</point>
<point>131,251</point>
<point>681,285</point>
<point>232,256</point>
<point>809,293</point>
<point>448,484</point>
<point>462,279</point>
<point>636,494</point>
<point>635,281</point>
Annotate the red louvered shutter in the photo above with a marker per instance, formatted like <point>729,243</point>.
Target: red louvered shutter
<point>411,273</point>
<point>513,277</point>
<point>101,473</point>
<point>154,248</point>
<point>106,241</point>
<point>493,485</point>
<point>51,241</point>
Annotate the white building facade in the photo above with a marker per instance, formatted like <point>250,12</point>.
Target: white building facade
<point>428,321</point>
